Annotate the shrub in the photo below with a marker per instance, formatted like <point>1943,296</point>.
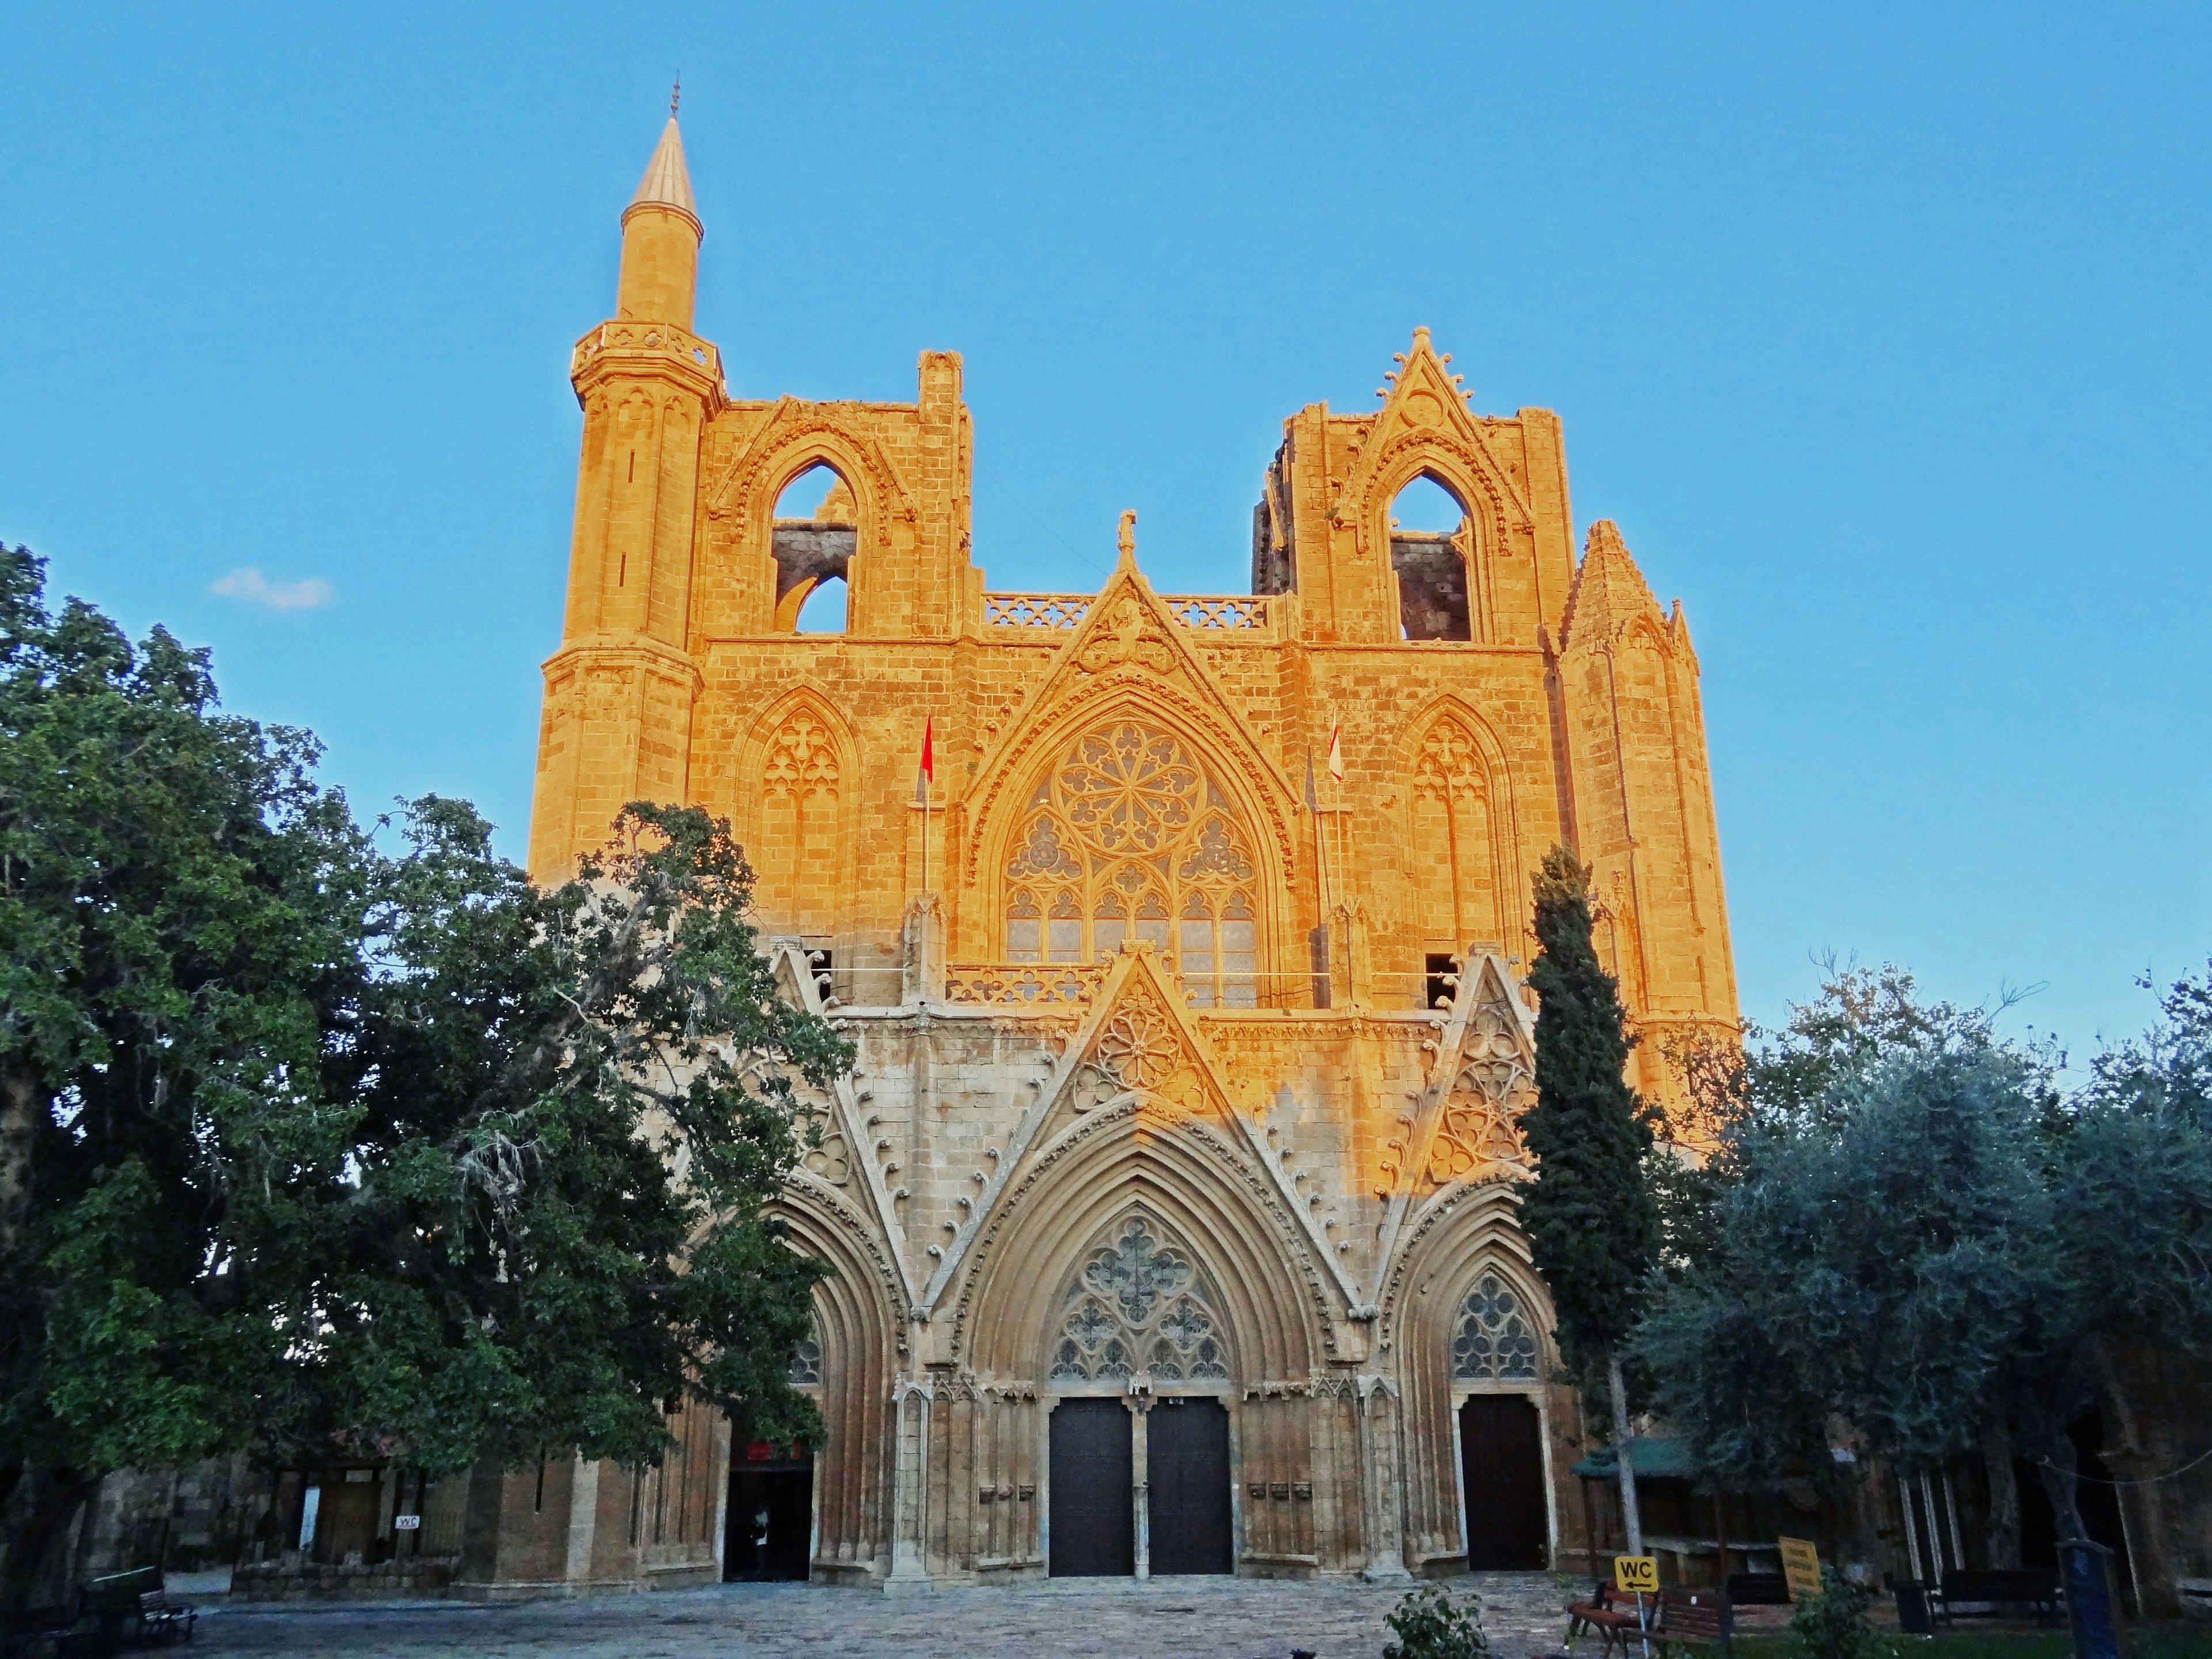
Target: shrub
<point>1834,1624</point>
<point>1430,1624</point>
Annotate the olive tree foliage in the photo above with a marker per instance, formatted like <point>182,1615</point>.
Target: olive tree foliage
<point>1911,1235</point>
<point>316,1142</point>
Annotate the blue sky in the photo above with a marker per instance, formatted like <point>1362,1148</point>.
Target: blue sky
<point>1880,330</point>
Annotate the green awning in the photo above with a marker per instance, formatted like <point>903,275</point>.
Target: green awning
<point>1655,1460</point>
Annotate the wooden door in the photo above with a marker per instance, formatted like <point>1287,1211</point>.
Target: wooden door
<point>1502,1464</point>
<point>1092,1510</point>
<point>1187,1466</point>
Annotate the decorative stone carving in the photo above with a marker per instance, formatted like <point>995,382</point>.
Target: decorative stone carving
<point>1493,1340</point>
<point>1127,634</point>
<point>1138,1304</point>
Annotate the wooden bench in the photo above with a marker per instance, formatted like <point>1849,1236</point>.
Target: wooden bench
<point>1990,1592</point>
<point>1611,1613</point>
<point>1693,1619</point>
<point>133,1602</point>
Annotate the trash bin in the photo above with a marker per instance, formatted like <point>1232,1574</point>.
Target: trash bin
<point>1912,1615</point>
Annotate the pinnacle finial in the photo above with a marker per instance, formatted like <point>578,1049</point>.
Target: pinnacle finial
<point>1127,539</point>
<point>676,94</point>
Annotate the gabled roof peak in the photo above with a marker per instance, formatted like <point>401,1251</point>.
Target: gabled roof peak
<point>1609,590</point>
<point>667,181</point>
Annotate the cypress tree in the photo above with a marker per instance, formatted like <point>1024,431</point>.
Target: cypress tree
<point>1590,1219</point>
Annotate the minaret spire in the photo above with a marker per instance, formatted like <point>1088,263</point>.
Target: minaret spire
<point>660,234</point>
<point>667,181</point>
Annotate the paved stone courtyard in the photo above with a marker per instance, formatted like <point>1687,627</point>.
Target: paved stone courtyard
<point>1114,1618</point>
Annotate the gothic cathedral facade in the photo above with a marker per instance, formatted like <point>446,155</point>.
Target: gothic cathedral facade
<point>1171,1206</point>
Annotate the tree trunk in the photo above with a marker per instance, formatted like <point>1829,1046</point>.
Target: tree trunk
<point>2061,1469</point>
<point>23,1099</point>
<point>37,1542</point>
<point>1631,1520</point>
<point>2003,1537</point>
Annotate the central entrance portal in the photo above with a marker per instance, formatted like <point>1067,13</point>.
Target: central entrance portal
<point>1187,1463</point>
<point>1501,1444</point>
<point>1093,1517</point>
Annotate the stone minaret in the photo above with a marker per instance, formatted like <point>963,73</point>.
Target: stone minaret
<point>619,692</point>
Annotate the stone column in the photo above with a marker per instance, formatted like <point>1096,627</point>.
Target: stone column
<point>1141,1407</point>
<point>1378,1458</point>
<point>909,1497</point>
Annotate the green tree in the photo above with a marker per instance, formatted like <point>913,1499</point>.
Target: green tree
<point>1591,1221</point>
<point>179,908</point>
<point>576,1104</point>
<point>307,1147</point>
<point>1914,1234</point>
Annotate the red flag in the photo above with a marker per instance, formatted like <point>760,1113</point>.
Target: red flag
<point>928,774</point>
<point>1336,750</point>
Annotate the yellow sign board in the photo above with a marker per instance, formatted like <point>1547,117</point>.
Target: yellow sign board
<point>1636,1575</point>
<point>1801,1567</point>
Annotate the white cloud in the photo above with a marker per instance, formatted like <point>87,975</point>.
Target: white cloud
<point>248,584</point>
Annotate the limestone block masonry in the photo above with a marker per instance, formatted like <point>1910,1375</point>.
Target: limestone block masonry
<point>1190,1070</point>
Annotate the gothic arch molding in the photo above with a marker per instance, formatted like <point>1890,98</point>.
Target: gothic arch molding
<point>796,749</point>
<point>859,1320</point>
<point>1466,1233</point>
<point>1488,500</point>
<point>1001,813</point>
<point>1505,866</point>
<point>1127,1156</point>
<point>798,436</point>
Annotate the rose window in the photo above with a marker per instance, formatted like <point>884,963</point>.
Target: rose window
<point>1130,839</point>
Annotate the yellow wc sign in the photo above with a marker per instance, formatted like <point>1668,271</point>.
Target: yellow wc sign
<point>1801,1567</point>
<point>1636,1575</point>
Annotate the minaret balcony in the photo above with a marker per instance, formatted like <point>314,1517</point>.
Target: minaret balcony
<point>629,347</point>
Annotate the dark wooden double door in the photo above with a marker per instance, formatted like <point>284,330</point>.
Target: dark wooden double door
<point>1501,1448</point>
<point>1093,1509</point>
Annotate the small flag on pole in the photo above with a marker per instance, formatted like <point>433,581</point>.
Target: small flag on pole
<point>926,773</point>
<point>1336,750</point>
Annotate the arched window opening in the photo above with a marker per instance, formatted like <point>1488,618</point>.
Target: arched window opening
<point>823,610</point>
<point>1431,547</point>
<point>817,530</point>
<point>1494,1340</point>
<point>1139,1303</point>
<point>1129,838</point>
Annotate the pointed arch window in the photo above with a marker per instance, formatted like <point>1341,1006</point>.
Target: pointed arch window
<point>1454,829</point>
<point>1131,838</point>
<point>1139,1303</point>
<point>1494,1340</point>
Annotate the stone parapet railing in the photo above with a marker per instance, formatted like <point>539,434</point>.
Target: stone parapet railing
<point>1035,610</point>
<point>1205,611</point>
<point>1023,984</point>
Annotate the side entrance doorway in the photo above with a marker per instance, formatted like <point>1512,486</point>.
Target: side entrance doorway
<point>768,1528</point>
<point>1187,1467</point>
<point>1501,1442</point>
<point>1092,1514</point>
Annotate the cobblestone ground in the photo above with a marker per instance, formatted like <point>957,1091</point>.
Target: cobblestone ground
<point>1114,1618</point>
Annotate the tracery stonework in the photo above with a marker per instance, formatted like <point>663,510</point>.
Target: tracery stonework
<point>1153,1100</point>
